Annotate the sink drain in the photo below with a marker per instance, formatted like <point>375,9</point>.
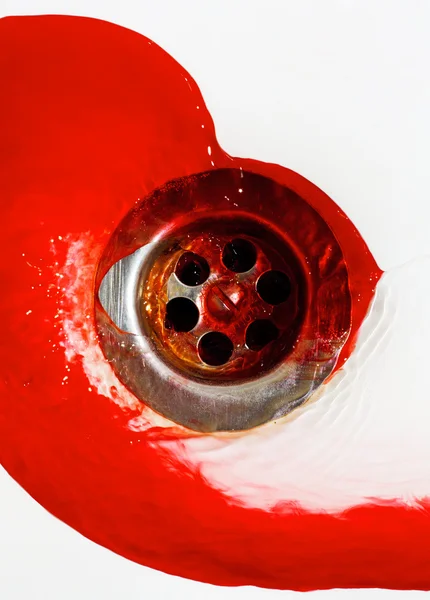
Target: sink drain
<point>215,307</point>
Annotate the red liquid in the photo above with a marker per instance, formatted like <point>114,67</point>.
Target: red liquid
<point>94,117</point>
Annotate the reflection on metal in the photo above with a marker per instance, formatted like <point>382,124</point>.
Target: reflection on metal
<point>163,368</point>
<point>118,292</point>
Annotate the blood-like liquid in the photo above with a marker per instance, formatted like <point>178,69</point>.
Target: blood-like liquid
<point>94,117</point>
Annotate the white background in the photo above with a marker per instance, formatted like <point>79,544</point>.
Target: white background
<point>336,90</point>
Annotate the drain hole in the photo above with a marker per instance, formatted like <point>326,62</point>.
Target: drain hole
<point>239,255</point>
<point>192,269</point>
<point>215,348</point>
<point>260,333</point>
<point>181,314</point>
<point>274,287</point>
